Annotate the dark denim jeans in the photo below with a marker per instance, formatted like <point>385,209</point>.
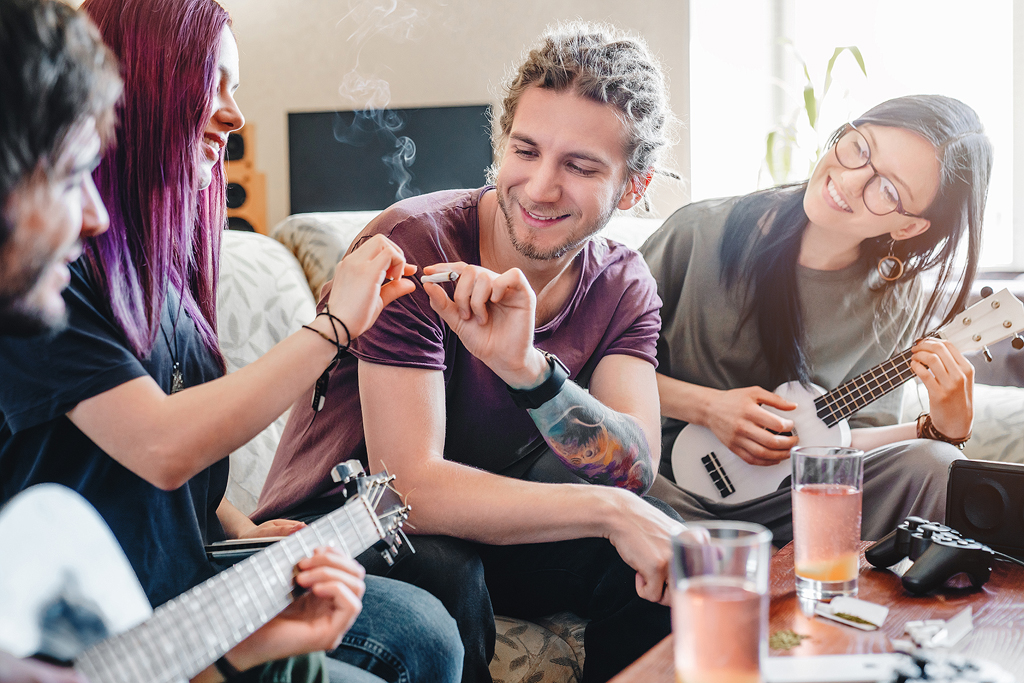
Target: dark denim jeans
<point>403,635</point>
<point>585,575</point>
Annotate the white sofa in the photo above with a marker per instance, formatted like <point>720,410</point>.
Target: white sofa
<point>266,292</point>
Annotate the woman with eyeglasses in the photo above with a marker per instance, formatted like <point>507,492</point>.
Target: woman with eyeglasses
<point>818,283</point>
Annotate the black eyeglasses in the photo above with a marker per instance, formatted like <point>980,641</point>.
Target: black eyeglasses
<point>880,195</point>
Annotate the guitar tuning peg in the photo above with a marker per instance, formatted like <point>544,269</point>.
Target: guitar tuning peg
<point>988,354</point>
<point>1017,342</point>
<point>986,292</point>
<point>346,471</point>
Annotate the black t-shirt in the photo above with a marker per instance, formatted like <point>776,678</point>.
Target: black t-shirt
<point>42,378</point>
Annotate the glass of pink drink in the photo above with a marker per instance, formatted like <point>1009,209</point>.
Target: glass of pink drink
<point>720,602</point>
<point>827,485</point>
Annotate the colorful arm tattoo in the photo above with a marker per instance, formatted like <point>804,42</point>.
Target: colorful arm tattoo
<point>595,442</point>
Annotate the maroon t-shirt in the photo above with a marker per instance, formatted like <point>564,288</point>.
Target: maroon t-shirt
<point>614,309</point>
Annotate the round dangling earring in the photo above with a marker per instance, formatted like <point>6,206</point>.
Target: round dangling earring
<point>890,267</point>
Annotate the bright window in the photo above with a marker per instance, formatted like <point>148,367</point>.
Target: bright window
<point>949,47</point>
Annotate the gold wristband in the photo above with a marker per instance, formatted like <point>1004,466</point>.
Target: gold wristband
<point>926,430</point>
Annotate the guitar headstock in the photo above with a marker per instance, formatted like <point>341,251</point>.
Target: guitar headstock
<point>992,319</point>
<point>387,504</point>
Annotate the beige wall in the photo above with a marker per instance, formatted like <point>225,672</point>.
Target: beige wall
<point>295,53</point>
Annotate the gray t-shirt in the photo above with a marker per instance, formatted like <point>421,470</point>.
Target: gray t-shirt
<point>702,341</point>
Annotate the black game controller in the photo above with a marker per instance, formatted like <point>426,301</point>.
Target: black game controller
<point>938,552</point>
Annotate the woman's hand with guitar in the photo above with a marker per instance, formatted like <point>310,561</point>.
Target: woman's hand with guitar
<point>739,421</point>
<point>949,379</point>
<point>317,620</point>
<point>15,670</point>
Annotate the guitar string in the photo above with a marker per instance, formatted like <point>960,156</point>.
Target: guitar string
<point>843,398</point>
<point>867,382</point>
<point>225,575</point>
<point>834,409</point>
<point>193,602</point>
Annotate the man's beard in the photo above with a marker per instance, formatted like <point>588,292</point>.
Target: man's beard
<point>574,240</point>
<point>18,317</point>
<point>18,320</point>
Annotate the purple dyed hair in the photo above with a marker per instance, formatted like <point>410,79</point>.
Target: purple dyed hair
<point>163,231</point>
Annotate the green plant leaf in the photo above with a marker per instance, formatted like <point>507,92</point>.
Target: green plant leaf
<point>782,149</point>
<point>828,70</point>
<point>855,51</point>
<point>811,105</point>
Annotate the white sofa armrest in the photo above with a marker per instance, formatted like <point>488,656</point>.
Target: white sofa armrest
<point>262,298</point>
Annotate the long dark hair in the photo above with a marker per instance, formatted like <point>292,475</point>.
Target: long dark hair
<point>164,231</point>
<point>764,260</point>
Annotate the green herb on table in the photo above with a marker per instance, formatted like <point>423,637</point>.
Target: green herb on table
<point>854,619</point>
<point>785,640</point>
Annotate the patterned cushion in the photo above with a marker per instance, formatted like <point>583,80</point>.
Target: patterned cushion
<point>319,240</point>
<point>998,420</point>
<point>569,628</point>
<point>525,652</point>
<point>263,297</point>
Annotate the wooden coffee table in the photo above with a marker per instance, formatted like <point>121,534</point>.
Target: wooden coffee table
<point>998,606</point>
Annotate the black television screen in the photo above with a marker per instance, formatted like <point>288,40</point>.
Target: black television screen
<point>357,161</point>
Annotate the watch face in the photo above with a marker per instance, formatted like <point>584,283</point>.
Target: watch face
<point>556,361</point>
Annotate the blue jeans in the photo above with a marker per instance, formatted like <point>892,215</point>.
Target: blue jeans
<point>403,635</point>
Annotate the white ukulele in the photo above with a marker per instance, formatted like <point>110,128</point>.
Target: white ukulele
<point>704,466</point>
<point>66,587</point>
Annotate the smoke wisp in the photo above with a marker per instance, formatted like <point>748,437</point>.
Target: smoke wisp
<point>369,96</point>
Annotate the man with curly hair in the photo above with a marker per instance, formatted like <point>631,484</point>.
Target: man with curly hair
<point>499,399</point>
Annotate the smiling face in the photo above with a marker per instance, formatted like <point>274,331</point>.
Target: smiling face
<point>563,173</point>
<point>50,211</point>
<point>225,116</point>
<point>834,200</point>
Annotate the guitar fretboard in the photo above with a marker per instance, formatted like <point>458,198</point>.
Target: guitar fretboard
<point>187,634</point>
<point>851,396</point>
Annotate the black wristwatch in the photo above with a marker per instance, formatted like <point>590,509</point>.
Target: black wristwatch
<point>532,399</point>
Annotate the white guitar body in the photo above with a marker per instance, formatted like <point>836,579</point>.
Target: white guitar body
<point>56,546</point>
<point>704,466</point>
<point>68,592</point>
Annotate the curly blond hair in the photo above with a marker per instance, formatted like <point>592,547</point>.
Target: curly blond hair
<point>606,65</point>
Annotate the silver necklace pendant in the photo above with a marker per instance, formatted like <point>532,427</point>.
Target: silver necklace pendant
<point>177,380</point>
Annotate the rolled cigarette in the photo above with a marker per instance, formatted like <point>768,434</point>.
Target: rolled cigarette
<point>443,276</point>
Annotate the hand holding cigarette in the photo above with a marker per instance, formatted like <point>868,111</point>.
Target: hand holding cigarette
<point>442,276</point>
<point>492,313</point>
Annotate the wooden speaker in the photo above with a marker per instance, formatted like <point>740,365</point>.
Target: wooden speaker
<point>247,187</point>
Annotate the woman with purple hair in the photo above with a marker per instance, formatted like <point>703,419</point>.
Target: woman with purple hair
<point>129,405</point>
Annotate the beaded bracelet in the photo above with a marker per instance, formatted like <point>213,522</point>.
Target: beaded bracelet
<point>926,430</point>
